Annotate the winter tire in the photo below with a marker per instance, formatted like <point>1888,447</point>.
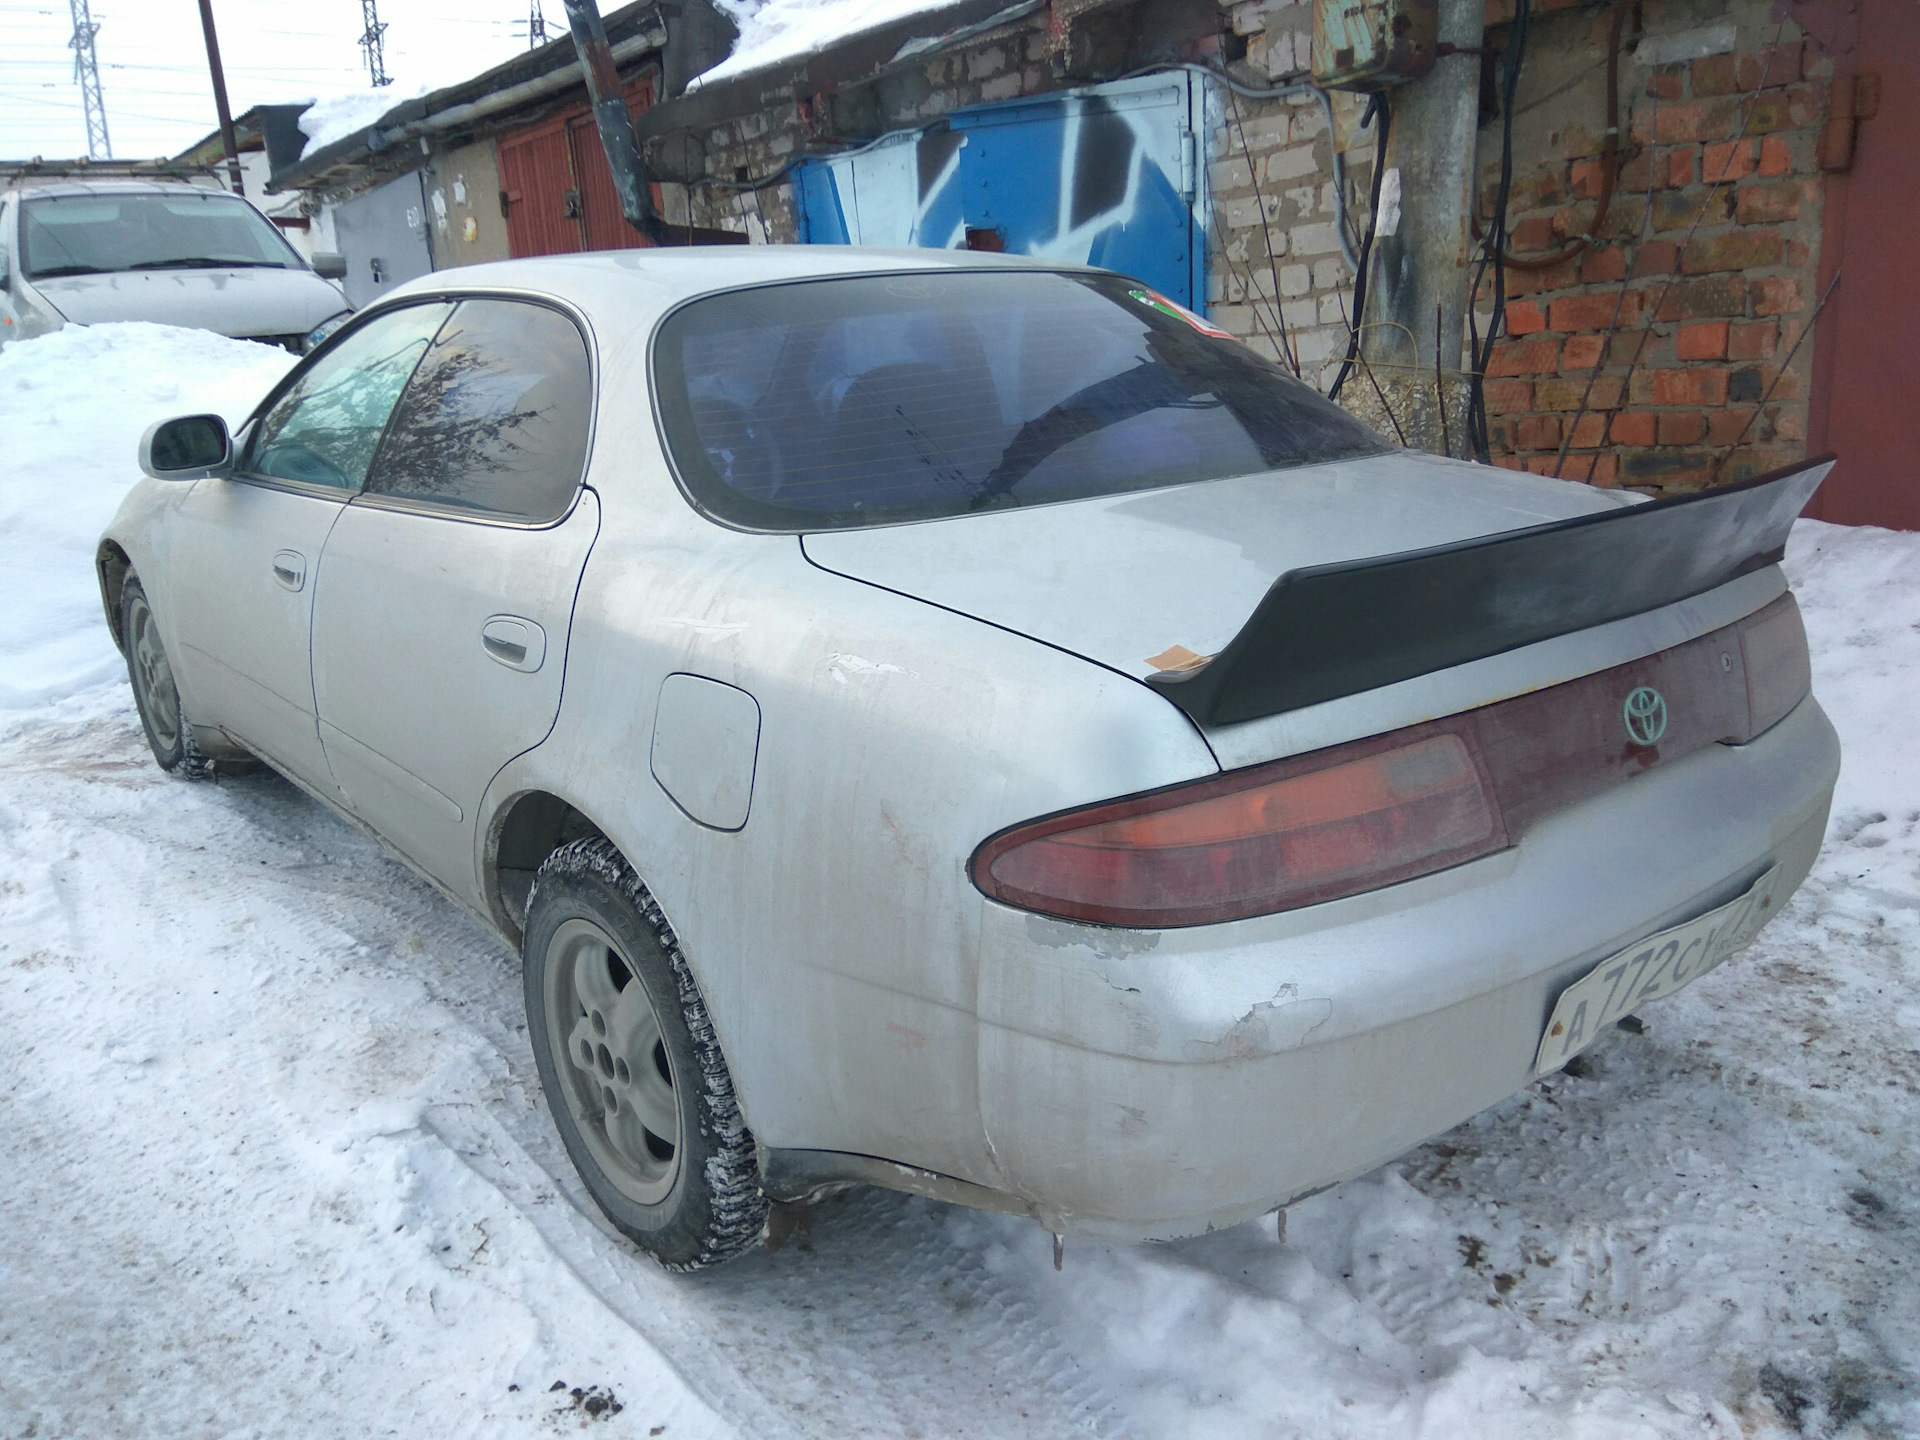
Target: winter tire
<point>154,693</point>
<point>630,1065</point>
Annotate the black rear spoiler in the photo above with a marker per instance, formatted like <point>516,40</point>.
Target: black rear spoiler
<point>1332,630</point>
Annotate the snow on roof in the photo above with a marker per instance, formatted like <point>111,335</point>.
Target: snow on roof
<point>775,30</point>
<point>339,116</point>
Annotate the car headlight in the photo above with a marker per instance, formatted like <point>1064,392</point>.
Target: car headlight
<point>320,332</point>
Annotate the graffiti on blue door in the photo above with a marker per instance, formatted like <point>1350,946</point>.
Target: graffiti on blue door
<point>1108,176</point>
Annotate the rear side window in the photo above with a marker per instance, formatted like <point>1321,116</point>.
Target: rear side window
<point>833,404</point>
<point>324,429</point>
<point>495,420</point>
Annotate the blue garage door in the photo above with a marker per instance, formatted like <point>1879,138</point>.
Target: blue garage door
<point>1108,176</point>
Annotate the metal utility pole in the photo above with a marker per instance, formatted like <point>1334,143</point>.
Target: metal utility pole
<point>536,26</point>
<point>219,95</point>
<point>86,73</point>
<point>373,40</point>
<point>1422,267</point>
<point>611,117</point>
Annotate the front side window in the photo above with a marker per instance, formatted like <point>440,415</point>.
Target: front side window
<point>191,230</point>
<point>495,420</point>
<point>324,429</point>
<point>840,403</point>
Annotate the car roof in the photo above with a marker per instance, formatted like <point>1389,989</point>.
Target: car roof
<point>632,286</point>
<point>55,188</point>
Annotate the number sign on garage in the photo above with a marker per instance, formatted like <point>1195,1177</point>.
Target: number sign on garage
<point>1108,175</point>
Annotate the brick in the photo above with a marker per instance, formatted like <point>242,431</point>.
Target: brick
<point>1564,393</point>
<point>1655,257</point>
<point>1589,430</point>
<point>1747,384</point>
<point>1539,432</point>
<point>1543,464</point>
<point>1756,341</point>
<point>1581,352</point>
<point>1593,312</point>
<point>1725,427</point>
<point>1783,425</point>
<point>1508,397</point>
<point>1632,427</point>
<point>1776,295</point>
<point>1292,164</point>
<point>1295,280</point>
<point>1533,233</point>
<point>1689,209</point>
<point>1600,266</point>
<point>1780,110</point>
<point>1668,469</point>
<point>1716,75</point>
<point>1774,157</point>
<point>1665,84</point>
<point>1526,357</point>
<point>1707,341</point>
<point>1312,240</point>
<point>1586,179</point>
<point>1524,317</point>
<point>1701,299</point>
<point>1682,427</point>
<point>1702,387</point>
<point>1768,204</point>
<point>1686,123</point>
<point>1602,471</point>
<point>1680,166</point>
<point>1508,462</point>
<point>1728,160</point>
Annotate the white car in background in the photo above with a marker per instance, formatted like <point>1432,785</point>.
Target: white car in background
<point>966,725</point>
<point>83,252</point>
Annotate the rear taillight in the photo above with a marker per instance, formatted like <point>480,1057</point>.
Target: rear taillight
<point>1779,675</point>
<point>1259,840</point>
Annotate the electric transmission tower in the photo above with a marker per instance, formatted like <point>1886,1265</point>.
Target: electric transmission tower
<point>536,26</point>
<point>86,74</point>
<point>373,40</point>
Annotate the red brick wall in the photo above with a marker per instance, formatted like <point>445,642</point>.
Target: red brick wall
<point>1694,291</point>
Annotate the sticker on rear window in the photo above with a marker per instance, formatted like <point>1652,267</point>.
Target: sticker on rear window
<point>1154,300</point>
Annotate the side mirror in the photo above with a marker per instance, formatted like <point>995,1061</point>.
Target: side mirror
<point>329,266</point>
<point>191,447</point>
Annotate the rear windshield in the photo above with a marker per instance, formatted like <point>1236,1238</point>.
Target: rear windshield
<point>99,234</point>
<point>835,404</point>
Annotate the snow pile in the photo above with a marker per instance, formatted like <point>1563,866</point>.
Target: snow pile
<point>273,1158</point>
<point>772,31</point>
<point>73,405</point>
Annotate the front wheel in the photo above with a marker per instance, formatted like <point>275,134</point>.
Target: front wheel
<point>155,694</point>
<point>630,1065</point>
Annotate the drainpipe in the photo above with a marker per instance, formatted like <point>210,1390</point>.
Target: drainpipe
<point>611,118</point>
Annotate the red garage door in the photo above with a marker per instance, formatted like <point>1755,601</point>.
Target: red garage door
<point>559,192</point>
<point>1866,387</point>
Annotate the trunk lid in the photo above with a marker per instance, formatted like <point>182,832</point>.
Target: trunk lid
<point>1122,578</point>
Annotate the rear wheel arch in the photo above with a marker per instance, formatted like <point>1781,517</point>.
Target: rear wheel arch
<point>524,831</point>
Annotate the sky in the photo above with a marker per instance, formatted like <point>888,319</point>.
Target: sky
<point>153,62</point>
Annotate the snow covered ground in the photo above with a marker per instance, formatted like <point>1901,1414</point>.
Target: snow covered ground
<point>273,1159</point>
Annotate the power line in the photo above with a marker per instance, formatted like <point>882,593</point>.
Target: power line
<point>86,72</point>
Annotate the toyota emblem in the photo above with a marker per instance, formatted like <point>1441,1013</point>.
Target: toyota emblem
<point>1646,715</point>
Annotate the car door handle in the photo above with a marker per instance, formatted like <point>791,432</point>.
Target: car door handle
<point>290,569</point>
<point>514,641</point>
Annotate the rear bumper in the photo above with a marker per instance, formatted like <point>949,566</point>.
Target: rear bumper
<point>1142,1084</point>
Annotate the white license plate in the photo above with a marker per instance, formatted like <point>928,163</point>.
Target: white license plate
<point>1650,969</point>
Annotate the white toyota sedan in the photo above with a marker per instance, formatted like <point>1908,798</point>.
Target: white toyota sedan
<point>967,725</point>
